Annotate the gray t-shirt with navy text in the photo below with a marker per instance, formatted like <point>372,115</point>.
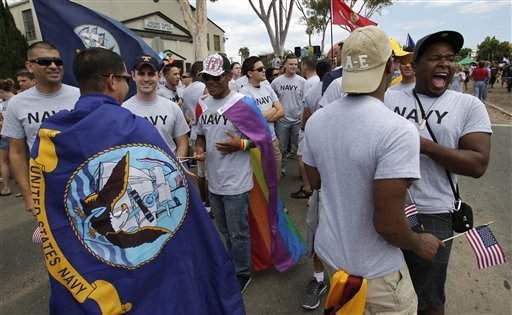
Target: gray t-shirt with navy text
<point>265,97</point>
<point>30,108</point>
<point>165,115</point>
<point>451,116</point>
<point>228,174</point>
<point>290,91</point>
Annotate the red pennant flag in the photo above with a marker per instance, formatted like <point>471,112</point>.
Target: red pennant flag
<point>342,14</point>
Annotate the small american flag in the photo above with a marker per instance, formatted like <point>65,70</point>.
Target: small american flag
<point>37,237</point>
<point>487,250</point>
<point>411,213</point>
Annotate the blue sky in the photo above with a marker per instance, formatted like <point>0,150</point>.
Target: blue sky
<point>473,19</point>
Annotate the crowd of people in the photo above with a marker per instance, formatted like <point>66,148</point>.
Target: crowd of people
<point>364,149</point>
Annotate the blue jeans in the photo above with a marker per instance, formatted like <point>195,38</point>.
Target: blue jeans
<point>288,133</point>
<point>480,90</point>
<point>232,219</point>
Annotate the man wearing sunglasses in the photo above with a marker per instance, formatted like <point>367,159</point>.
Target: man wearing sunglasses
<point>30,108</point>
<point>266,99</point>
<point>229,167</point>
<point>164,114</point>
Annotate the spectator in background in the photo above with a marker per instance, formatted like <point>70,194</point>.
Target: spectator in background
<point>494,73</point>
<point>186,79</point>
<point>6,92</point>
<point>25,80</point>
<point>171,89</point>
<point>271,74</point>
<point>459,77</point>
<point>289,87</point>
<point>480,75</point>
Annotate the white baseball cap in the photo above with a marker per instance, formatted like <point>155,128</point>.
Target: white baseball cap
<point>364,56</point>
<point>215,65</point>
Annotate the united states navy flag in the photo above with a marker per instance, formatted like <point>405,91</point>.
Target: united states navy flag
<point>122,229</point>
<point>70,26</point>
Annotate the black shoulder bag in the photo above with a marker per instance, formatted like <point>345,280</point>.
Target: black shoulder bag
<point>462,215</point>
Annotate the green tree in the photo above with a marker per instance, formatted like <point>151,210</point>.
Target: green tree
<point>463,53</point>
<point>14,46</point>
<point>316,14</point>
<point>244,53</point>
<point>493,50</point>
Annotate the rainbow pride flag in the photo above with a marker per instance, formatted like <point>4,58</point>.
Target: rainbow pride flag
<point>275,241</point>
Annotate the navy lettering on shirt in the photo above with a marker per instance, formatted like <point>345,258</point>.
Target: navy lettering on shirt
<point>263,100</point>
<point>415,115</point>
<point>288,87</point>
<point>155,119</point>
<point>213,119</point>
<point>39,117</point>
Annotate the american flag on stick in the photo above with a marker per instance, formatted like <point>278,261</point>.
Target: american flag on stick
<point>487,250</point>
<point>411,213</point>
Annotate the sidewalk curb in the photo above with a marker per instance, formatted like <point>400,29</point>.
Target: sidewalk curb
<point>499,109</point>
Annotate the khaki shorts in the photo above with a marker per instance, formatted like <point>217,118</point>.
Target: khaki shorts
<point>390,294</point>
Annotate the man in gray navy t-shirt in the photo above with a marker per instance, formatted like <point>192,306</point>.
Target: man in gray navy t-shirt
<point>30,108</point>
<point>229,167</point>
<point>289,87</point>
<point>461,126</point>
<point>364,157</point>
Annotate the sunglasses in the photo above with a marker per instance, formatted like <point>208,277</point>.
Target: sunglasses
<point>126,77</point>
<point>207,77</point>
<point>47,61</point>
<point>260,69</point>
<point>185,76</point>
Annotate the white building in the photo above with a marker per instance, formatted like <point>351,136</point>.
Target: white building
<point>159,23</point>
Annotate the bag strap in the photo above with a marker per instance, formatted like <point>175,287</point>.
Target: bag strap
<point>455,188</point>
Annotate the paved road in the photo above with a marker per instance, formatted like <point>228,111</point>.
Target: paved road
<point>24,288</point>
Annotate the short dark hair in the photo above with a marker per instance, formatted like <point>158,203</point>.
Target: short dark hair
<point>166,68</point>
<point>92,64</point>
<point>322,67</point>
<point>248,64</point>
<point>40,44</point>
<point>195,69</point>
<point>269,73</point>
<point>25,73</point>
<point>233,64</point>
<point>309,62</point>
<point>290,56</point>
<point>7,85</point>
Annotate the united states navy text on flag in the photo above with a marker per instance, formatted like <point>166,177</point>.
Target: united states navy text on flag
<point>70,27</point>
<point>122,228</point>
<point>487,250</point>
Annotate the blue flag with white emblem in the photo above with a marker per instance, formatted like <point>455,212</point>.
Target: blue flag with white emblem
<point>71,27</point>
<point>122,228</point>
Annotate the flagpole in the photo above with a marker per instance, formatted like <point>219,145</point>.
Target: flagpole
<point>455,236</point>
<point>332,41</point>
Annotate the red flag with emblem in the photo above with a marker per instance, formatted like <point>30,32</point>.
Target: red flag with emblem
<point>342,14</point>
